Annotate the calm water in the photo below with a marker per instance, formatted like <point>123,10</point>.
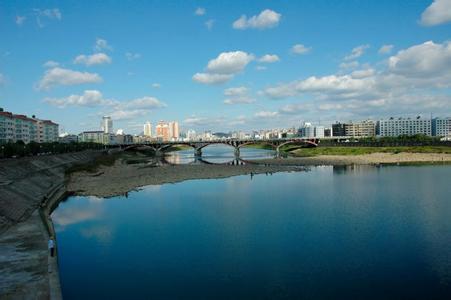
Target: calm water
<point>342,233</point>
<point>217,154</point>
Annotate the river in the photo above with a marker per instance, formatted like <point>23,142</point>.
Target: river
<point>328,232</point>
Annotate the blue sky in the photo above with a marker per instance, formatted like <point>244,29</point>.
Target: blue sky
<point>224,65</point>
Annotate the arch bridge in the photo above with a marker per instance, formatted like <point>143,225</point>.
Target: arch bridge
<point>276,144</point>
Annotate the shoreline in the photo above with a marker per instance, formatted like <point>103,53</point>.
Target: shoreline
<point>34,224</point>
<point>120,178</point>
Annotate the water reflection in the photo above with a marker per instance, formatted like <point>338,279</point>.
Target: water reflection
<point>218,154</point>
<point>376,232</point>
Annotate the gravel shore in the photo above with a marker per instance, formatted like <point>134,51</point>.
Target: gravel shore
<point>121,177</point>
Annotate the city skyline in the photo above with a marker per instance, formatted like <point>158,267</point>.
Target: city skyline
<point>241,67</point>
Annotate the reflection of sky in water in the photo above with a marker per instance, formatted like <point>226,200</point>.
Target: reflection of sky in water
<point>329,233</point>
<point>217,154</point>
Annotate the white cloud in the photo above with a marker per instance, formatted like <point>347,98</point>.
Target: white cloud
<point>439,12</point>
<point>20,20</point>
<point>156,85</point>
<point>266,114</point>
<point>427,60</point>
<point>349,65</point>
<point>266,19</point>
<point>357,52</point>
<point>416,79</point>
<point>208,78</point>
<point>50,64</point>
<point>119,110</point>
<point>300,49</point>
<point>50,13</point>
<point>209,24</point>
<point>224,67</point>
<point>200,11</point>
<point>59,76</point>
<point>236,91</point>
<point>132,56</point>
<point>363,73</point>
<point>147,102</point>
<point>269,58</point>
<point>229,62</point>
<point>89,98</point>
<point>102,44</point>
<point>385,49</point>
<point>237,95</point>
<point>296,108</point>
<point>94,59</point>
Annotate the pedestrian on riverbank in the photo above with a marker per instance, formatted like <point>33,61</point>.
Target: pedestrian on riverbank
<point>51,245</point>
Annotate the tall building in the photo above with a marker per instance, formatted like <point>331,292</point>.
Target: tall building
<point>319,131</point>
<point>174,133</point>
<point>47,131</point>
<point>167,131</point>
<point>404,126</point>
<point>107,124</point>
<point>441,127</point>
<point>307,130</point>
<point>148,129</point>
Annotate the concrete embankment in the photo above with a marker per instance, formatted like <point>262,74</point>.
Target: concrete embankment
<point>29,189</point>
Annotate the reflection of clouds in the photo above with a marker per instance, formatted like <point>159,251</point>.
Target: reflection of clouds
<point>66,217</point>
<point>103,234</point>
<point>152,188</point>
<point>82,211</point>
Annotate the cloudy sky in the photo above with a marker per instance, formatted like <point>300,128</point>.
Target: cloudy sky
<point>224,65</point>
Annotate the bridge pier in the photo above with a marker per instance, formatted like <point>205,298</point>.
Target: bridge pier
<point>237,152</point>
<point>198,152</point>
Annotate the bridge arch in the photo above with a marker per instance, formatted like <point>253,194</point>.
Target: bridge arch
<point>306,143</point>
<point>258,143</point>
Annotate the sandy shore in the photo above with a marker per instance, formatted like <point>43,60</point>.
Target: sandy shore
<point>365,159</point>
<point>121,177</point>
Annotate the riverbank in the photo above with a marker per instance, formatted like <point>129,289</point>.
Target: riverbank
<point>29,189</point>
<point>376,158</point>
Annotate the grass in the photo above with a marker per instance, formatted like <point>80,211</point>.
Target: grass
<point>305,152</point>
<point>93,166</point>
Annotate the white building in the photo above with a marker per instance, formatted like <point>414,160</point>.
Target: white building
<point>148,129</point>
<point>307,130</point>
<point>404,126</point>
<point>441,127</point>
<point>319,131</point>
<point>107,124</point>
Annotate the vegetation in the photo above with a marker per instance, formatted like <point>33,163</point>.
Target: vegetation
<point>20,149</point>
<point>368,150</point>
<point>93,166</point>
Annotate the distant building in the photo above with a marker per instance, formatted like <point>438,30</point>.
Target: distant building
<point>14,128</point>
<point>327,132</point>
<point>404,126</point>
<point>441,127</point>
<point>68,138</point>
<point>107,124</point>
<point>307,130</point>
<point>319,131</point>
<point>365,128</point>
<point>98,137</point>
<point>148,129</point>
<point>167,131</point>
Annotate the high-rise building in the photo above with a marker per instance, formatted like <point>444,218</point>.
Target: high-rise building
<point>441,127</point>
<point>107,124</point>
<point>404,126</point>
<point>167,131</point>
<point>174,133</point>
<point>148,129</point>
